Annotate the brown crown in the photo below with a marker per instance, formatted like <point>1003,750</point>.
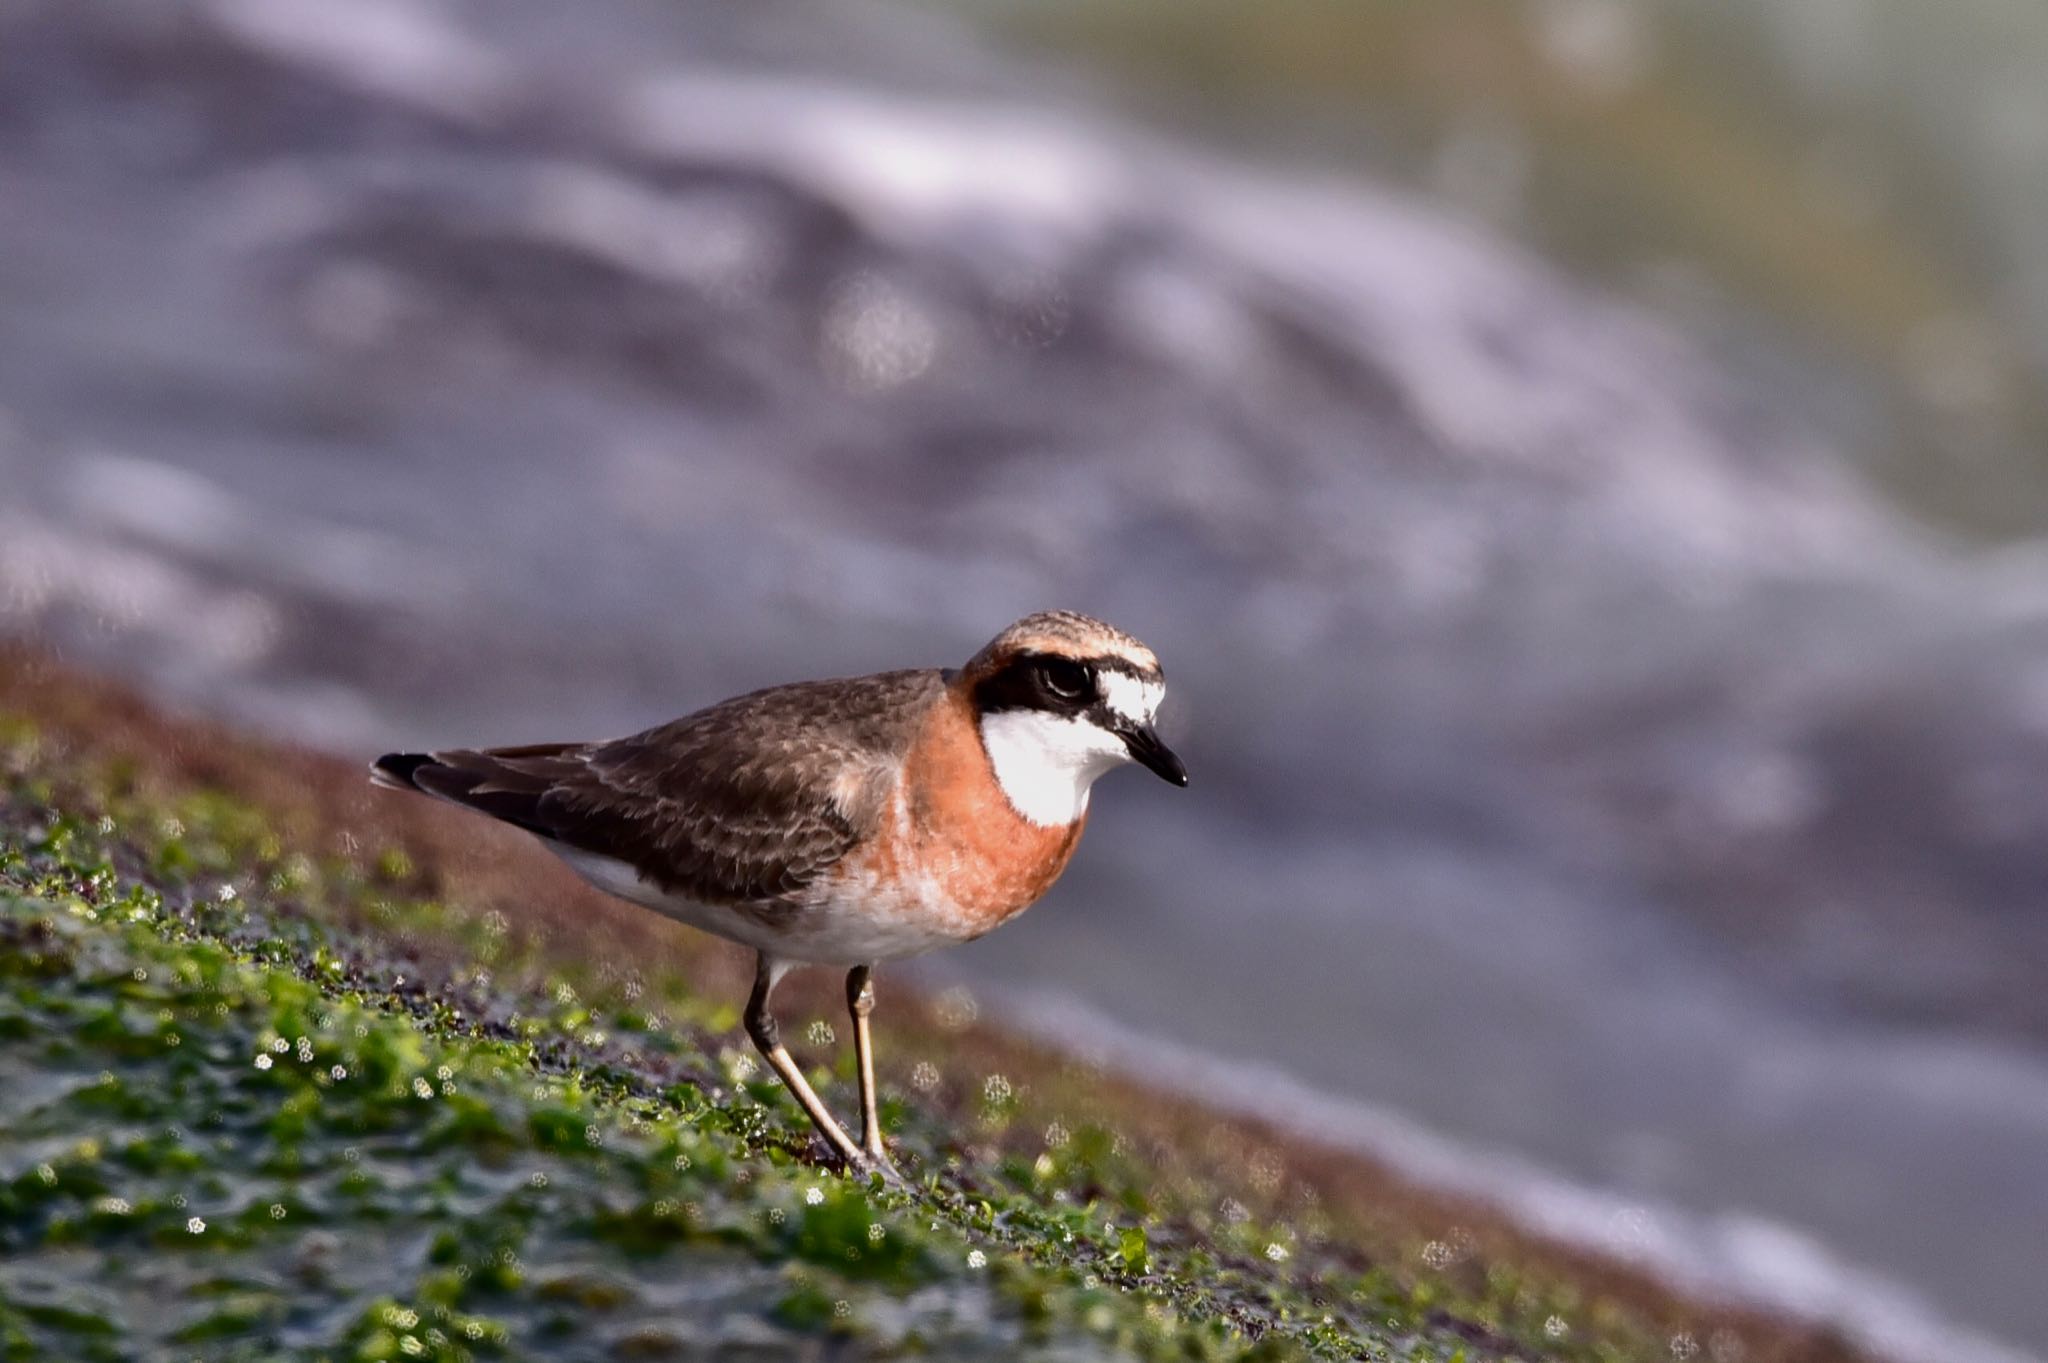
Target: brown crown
<point>1067,634</point>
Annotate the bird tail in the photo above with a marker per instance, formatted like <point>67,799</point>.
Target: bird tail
<point>397,770</point>
<point>510,784</point>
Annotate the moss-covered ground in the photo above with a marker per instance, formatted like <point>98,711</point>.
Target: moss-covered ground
<point>264,1097</point>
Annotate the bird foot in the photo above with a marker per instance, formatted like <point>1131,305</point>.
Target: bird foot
<point>866,1163</point>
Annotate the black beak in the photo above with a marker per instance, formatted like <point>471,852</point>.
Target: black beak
<point>1143,741</point>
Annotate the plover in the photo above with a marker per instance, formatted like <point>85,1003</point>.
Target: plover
<point>840,823</point>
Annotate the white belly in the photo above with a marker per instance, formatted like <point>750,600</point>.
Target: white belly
<point>857,924</point>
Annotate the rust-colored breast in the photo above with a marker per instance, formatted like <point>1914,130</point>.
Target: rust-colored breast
<point>950,828</point>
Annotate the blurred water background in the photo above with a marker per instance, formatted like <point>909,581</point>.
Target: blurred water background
<point>1582,463</point>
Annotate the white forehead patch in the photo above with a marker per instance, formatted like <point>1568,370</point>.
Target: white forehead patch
<point>1045,763</point>
<point>1135,700</point>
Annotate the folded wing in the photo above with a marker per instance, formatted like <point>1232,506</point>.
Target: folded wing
<point>745,802</point>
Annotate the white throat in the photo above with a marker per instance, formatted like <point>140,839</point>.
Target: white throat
<point>1045,763</point>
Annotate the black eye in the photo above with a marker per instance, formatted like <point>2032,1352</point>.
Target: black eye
<point>1064,679</point>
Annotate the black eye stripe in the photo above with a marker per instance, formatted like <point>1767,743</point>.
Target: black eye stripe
<point>1041,681</point>
<point>1127,668</point>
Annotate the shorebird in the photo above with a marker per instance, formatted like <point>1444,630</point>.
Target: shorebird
<point>840,823</point>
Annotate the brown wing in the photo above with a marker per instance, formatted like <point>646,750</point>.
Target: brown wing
<point>744,802</point>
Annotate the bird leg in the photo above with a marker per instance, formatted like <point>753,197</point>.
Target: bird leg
<point>860,1001</point>
<point>768,1040</point>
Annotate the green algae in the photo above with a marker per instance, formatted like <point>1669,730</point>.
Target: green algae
<point>236,1129</point>
<point>272,1169</point>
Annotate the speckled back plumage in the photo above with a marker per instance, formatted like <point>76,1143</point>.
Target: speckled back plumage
<point>745,802</point>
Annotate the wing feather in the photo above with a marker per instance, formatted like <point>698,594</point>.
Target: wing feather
<point>745,802</point>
